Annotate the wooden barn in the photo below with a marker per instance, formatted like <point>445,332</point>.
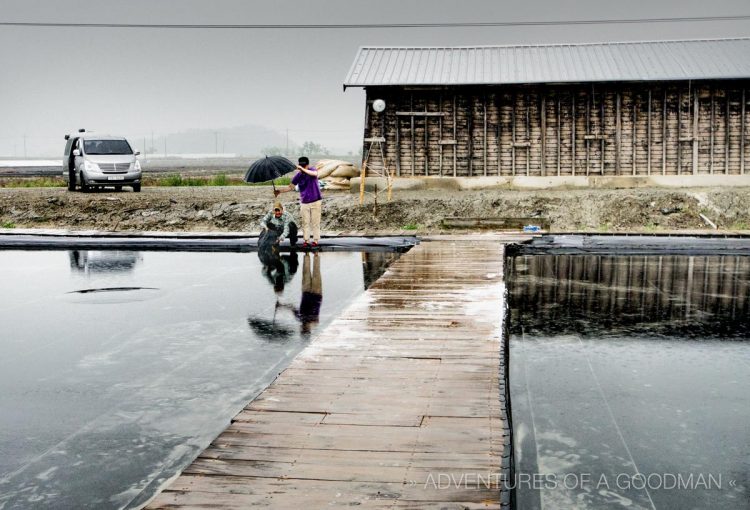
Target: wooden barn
<point>670,108</point>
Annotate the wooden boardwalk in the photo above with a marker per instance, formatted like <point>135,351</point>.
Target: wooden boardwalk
<point>399,403</point>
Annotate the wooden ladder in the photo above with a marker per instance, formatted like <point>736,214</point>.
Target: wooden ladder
<point>379,170</point>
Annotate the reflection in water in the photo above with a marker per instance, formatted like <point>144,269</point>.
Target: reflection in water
<point>620,370</point>
<point>308,312</point>
<point>138,380</point>
<point>312,294</point>
<point>375,263</point>
<point>109,261</point>
<point>604,295</point>
<point>278,269</point>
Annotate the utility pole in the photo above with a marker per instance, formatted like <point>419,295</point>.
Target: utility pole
<point>144,147</point>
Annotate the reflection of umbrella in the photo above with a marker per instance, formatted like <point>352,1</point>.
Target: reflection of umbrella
<point>268,169</point>
<point>269,329</point>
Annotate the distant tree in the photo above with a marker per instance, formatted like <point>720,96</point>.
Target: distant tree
<point>313,149</point>
<point>273,151</point>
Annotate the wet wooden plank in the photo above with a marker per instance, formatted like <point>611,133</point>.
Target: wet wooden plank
<point>195,491</point>
<point>403,388</point>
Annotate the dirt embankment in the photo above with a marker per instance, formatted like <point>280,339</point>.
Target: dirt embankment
<point>240,209</point>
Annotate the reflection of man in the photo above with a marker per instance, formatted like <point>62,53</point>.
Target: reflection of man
<point>312,293</point>
<point>279,270</point>
<point>308,312</point>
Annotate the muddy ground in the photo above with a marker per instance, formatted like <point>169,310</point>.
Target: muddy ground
<point>239,208</point>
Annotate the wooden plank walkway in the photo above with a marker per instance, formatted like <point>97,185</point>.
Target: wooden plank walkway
<point>399,403</point>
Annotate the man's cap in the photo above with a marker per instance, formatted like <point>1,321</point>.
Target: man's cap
<point>277,205</point>
<point>303,160</point>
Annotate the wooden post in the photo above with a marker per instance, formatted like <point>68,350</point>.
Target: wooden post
<point>362,175</point>
<point>711,136</point>
<point>470,130</point>
<point>648,135</point>
<point>398,145</point>
<point>558,126</point>
<point>634,149</point>
<point>484,141</point>
<point>455,145</point>
<point>367,124</point>
<point>528,134</point>
<point>742,134</point>
<point>543,122</point>
<point>413,146</point>
<point>440,137</point>
<point>696,109</point>
<point>726,132</point>
<point>413,134</point>
<point>589,106</point>
<point>602,102</point>
<point>618,134</point>
<point>679,132</point>
<point>513,134</point>
<point>573,131</point>
<point>664,133</point>
<point>499,108</point>
<point>426,141</point>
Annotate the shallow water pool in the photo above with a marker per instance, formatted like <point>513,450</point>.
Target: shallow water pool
<point>629,380</point>
<point>118,367</point>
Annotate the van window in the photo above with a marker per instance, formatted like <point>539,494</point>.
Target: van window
<point>102,147</point>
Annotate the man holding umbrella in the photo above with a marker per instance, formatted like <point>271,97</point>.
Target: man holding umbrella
<point>310,199</point>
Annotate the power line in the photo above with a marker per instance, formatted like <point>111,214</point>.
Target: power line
<point>683,19</point>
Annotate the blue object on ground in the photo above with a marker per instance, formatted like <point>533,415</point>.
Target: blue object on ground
<point>532,228</point>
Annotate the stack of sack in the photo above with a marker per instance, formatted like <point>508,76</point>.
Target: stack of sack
<point>336,173</point>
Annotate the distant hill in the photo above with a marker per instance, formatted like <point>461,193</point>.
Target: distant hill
<point>245,140</point>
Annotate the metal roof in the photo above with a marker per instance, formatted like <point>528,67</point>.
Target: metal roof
<point>558,63</point>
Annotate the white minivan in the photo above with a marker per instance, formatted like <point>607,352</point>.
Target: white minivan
<point>94,161</point>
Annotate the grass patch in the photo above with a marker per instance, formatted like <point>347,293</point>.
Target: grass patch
<point>148,180</point>
<point>740,225</point>
<point>8,224</point>
<point>206,180</point>
<point>411,226</point>
<point>32,182</point>
<point>606,227</point>
<point>281,181</point>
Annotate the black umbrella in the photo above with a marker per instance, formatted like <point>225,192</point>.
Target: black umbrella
<point>269,330</point>
<point>268,169</point>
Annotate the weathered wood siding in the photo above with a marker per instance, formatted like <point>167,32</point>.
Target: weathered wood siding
<point>675,128</point>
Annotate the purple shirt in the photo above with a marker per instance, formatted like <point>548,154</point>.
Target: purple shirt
<point>309,190</point>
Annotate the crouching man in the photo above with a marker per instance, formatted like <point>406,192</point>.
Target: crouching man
<point>277,226</point>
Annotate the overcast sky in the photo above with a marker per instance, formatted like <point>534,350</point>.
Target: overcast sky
<point>133,81</point>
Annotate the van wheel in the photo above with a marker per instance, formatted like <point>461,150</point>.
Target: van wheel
<point>137,188</point>
<point>84,187</point>
<point>118,188</point>
<point>71,181</point>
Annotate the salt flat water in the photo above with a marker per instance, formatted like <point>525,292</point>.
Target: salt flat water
<point>629,380</point>
<point>118,367</point>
